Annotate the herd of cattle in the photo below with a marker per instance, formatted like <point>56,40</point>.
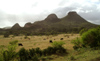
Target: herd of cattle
<point>50,41</point>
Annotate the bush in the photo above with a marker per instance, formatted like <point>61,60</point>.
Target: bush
<point>82,31</point>
<point>57,47</point>
<point>58,44</point>
<point>34,54</point>
<point>23,54</point>
<point>77,43</point>
<point>91,38</point>
<point>26,37</point>
<point>38,52</point>
<point>6,35</point>
<point>31,52</point>
<point>48,51</point>
<point>13,42</point>
<point>10,54</point>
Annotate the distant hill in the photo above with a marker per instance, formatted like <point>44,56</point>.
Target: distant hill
<point>16,26</point>
<point>28,25</point>
<point>72,22</point>
<point>7,27</point>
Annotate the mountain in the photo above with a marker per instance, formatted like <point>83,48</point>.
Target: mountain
<point>72,22</point>
<point>52,18</point>
<point>75,20</point>
<point>7,27</point>
<point>16,26</point>
<point>29,24</point>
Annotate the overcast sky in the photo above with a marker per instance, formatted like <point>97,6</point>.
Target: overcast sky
<point>23,11</point>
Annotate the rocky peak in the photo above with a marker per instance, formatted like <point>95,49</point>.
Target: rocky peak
<point>52,18</point>
<point>72,12</point>
<point>74,17</point>
<point>16,26</point>
<point>29,24</point>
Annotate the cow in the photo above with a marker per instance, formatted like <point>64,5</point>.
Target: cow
<point>61,38</point>
<point>50,41</point>
<point>20,44</point>
<point>44,39</point>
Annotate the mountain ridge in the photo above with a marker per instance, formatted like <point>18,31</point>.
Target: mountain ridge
<point>71,22</point>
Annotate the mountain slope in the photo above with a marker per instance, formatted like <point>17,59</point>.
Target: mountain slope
<point>16,26</point>
<point>52,24</point>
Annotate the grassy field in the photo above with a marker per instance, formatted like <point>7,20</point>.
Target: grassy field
<point>43,42</point>
<point>39,41</point>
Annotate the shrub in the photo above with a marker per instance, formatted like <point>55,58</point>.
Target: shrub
<point>31,52</point>
<point>25,37</point>
<point>35,58</point>
<point>91,37</point>
<point>10,54</point>
<point>13,42</point>
<point>82,31</point>
<point>38,52</point>
<point>23,54</point>
<point>57,44</point>
<point>50,50</point>
<point>57,47</point>
<point>77,43</point>
<point>72,58</point>
<point>6,35</point>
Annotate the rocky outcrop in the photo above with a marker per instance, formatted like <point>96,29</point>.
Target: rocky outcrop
<point>52,18</point>
<point>29,24</point>
<point>16,26</point>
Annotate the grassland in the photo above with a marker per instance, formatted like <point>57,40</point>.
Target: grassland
<point>39,41</point>
<point>43,42</point>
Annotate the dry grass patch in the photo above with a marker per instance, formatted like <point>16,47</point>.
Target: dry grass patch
<point>38,41</point>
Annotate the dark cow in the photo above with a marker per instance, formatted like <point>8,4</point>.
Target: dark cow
<point>44,39</point>
<point>50,41</point>
<point>20,44</point>
<point>61,38</point>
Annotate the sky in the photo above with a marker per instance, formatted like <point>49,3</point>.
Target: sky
<point>23,11</point>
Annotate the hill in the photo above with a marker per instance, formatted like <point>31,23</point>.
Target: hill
<point>16,26</point>
<point>54,25</point>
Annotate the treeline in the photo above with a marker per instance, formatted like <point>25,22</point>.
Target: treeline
<point>42,31</point>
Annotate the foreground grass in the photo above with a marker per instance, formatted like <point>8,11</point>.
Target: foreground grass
<point>89,55</point>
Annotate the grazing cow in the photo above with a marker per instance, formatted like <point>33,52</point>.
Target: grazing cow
<point>20,44</point>
<point>50,41</point>
<point>61,38</point>
<point>44,39</point>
